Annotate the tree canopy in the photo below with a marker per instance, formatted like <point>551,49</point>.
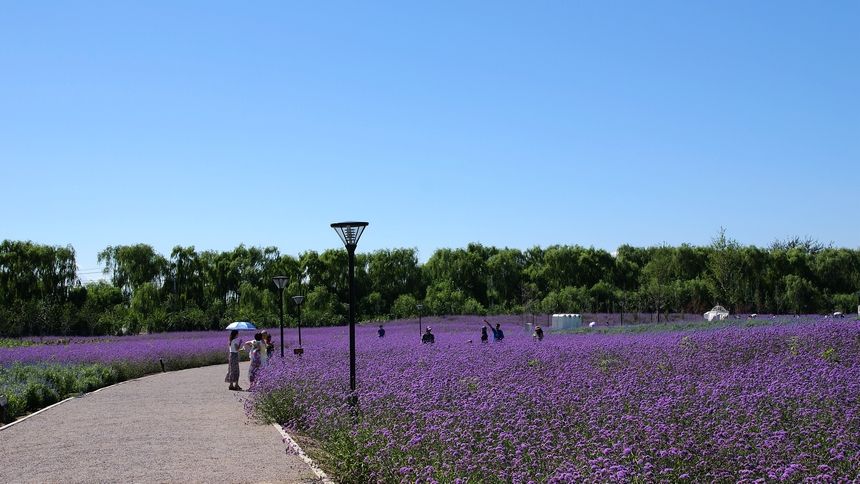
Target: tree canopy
<point>188,289</point>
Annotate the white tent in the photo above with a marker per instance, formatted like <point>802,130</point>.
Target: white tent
<point>717,312</point>
<point>566,321</point>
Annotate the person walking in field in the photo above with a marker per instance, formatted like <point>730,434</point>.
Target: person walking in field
<point>381,331</point>
<point>255,348</point>
<point>539,333</point>
<point>498,334</point>
<point>484,336</point>
<point>233,363</point>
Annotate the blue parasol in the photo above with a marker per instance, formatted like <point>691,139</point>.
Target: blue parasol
<point>241,325</point>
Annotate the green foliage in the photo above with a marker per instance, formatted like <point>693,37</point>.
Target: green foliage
<point>830,355</point>
<point>844,303</point>
<point>131,266</point>
<point>405,306</point>
<point>794,346</point>
<point>322,308</point>
<point>444,298</point>
<point>12,343</point>
<point>800,296</point>
<point>567,299</point>
<point>31,387</point>
<point>188,290</point>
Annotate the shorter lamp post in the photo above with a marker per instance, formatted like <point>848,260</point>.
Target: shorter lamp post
<point>419,307</point>
<point>281,283</point>
<point>299,300</point>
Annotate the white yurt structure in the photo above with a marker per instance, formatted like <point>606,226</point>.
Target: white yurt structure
<point>717,312</point>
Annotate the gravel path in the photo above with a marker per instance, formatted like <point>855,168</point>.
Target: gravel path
<point>177,426</point>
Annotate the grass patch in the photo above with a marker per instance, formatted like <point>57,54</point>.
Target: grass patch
<point>12,343</point>
<point>673,326</point>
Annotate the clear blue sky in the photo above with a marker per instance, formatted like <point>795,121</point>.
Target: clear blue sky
<point>441,123</point>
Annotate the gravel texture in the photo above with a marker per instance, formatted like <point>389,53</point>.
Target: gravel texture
<point>182,426</point>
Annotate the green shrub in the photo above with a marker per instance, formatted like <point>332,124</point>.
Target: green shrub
<point>31,387</point>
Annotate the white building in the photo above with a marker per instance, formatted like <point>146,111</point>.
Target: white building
<point>566,321</point>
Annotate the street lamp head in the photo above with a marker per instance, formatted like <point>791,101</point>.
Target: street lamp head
<point>349,232</point>
<point>419,307</point>
<point>298,300</point>
<point>280,281</point>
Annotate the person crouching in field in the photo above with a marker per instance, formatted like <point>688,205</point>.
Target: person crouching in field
<point>428,337</point>
<point>270,348</point>
<point>233,363</point>
<point>255,348</point>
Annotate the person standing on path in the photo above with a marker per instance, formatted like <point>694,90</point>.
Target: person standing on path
<point>233,365</point>
<point>255,348</point>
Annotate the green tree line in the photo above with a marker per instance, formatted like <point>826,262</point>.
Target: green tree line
<point>145,291</point>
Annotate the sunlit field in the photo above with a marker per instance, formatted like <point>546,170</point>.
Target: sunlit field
<point>773,400</point>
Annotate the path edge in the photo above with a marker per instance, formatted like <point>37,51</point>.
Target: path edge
<point>297,449</point>
<point>82,395</point>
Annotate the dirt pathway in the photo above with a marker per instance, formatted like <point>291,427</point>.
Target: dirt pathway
<point>171,427</point>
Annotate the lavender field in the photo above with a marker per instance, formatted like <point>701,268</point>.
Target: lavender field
<point>765,403</point>
<point>37,372</point>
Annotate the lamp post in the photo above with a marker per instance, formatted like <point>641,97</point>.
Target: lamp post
<point>419,307</point>
<point>281,282</point>
<point>349,233</point>
<point>299,300</point>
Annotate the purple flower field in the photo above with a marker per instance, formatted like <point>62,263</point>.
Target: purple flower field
<point>145,348</point>
<point>770,403</point>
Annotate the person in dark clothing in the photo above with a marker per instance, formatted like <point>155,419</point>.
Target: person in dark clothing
<point>270,347</point>
<point>484,336</point>
<point>428,337</point>
<point>498,334</point>
<point>381,331</point>
<point>539,333</point>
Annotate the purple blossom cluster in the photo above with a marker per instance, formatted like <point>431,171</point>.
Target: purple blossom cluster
<point>767,403</point>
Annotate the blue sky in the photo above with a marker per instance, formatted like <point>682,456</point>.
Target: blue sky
<point>441,123</point>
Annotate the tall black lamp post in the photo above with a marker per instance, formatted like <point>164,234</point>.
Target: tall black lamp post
<point>299,300</point>
<point>419,307</point>
<point>349,233</point>
<point>281,283</point>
